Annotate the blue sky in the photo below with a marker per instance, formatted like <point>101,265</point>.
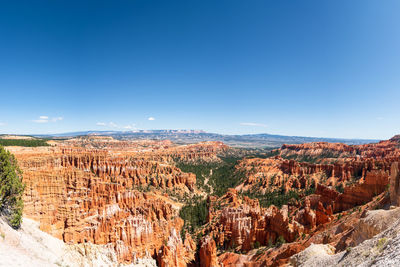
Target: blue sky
<point>312,68</point>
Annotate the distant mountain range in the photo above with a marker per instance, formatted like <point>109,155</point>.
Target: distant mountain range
<point>194,136</point>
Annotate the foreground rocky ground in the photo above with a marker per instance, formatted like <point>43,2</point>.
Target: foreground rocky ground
<point>210,205</point>
<point>31,245</point>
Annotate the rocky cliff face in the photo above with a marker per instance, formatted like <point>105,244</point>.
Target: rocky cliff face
<point>318,151</point>
<point>263,175</point>
<point>274,173</point>
<point>84,195</point>
<point>374,183</point>
<point>395,184</point>
<point>121,195</point>
<point>208,253</point>
<point>129,171</point>
<point>241,224</point>
<point>323,151</point>
<point>325,217</point>
<point>78,207</point>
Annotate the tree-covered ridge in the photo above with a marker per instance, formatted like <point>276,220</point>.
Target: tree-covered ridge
<point>214,177</point>
<point>11,188</point>
<point>279,197</point>
<point>194,214</point>
<point>23,142</point>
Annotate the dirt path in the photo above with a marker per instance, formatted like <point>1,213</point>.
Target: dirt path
<point>206,182</point>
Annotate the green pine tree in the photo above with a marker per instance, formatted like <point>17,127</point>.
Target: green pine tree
<point>11,188</point>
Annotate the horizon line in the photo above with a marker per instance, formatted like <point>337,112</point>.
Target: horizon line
<point>196,131</point>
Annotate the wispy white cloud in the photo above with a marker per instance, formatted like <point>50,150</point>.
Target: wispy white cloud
<point>112,124</point>
<point>151,119</point>
<point>2,124</point>
<point>101,124</point>
<point>46,119</point>
<point>57,119</point>
<point>41,121</point>
<point>253,124</point>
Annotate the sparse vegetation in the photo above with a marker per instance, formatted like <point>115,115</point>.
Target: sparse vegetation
<point>260,252</point>
<point>312,158</point>
<point>381,243</point>
<point>280,241</point>
<point>143,188</point>
<point>387,188</point>
<point>23,142</point>
<point>340,188</point>
<point>310,190</point>
<point>268,154</point>
<point>11,188</point>
<point>256,245</point>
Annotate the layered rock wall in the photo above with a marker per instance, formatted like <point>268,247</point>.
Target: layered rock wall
<point>395,184</point>
<point>83,196</point>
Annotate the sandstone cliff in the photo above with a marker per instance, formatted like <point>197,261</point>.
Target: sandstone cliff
<point>121,195</point>
<point>84,195</point>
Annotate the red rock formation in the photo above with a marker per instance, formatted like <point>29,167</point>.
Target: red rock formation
<point>374,183</point>
<point>279,224</point>
<point>307,216</point>
<point>230,259</point>
<point>208,253</point>
<point>176,253</point>
<point>242,223</point>
<point>263,175</point>
<point>321,150</point>
<point>88,196</point>
<point>315,150</point>
<point>137,172</point>
<point>363,172</point>
<point>323,215</point>
<point>394,188</point>
<point>327,194</point>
